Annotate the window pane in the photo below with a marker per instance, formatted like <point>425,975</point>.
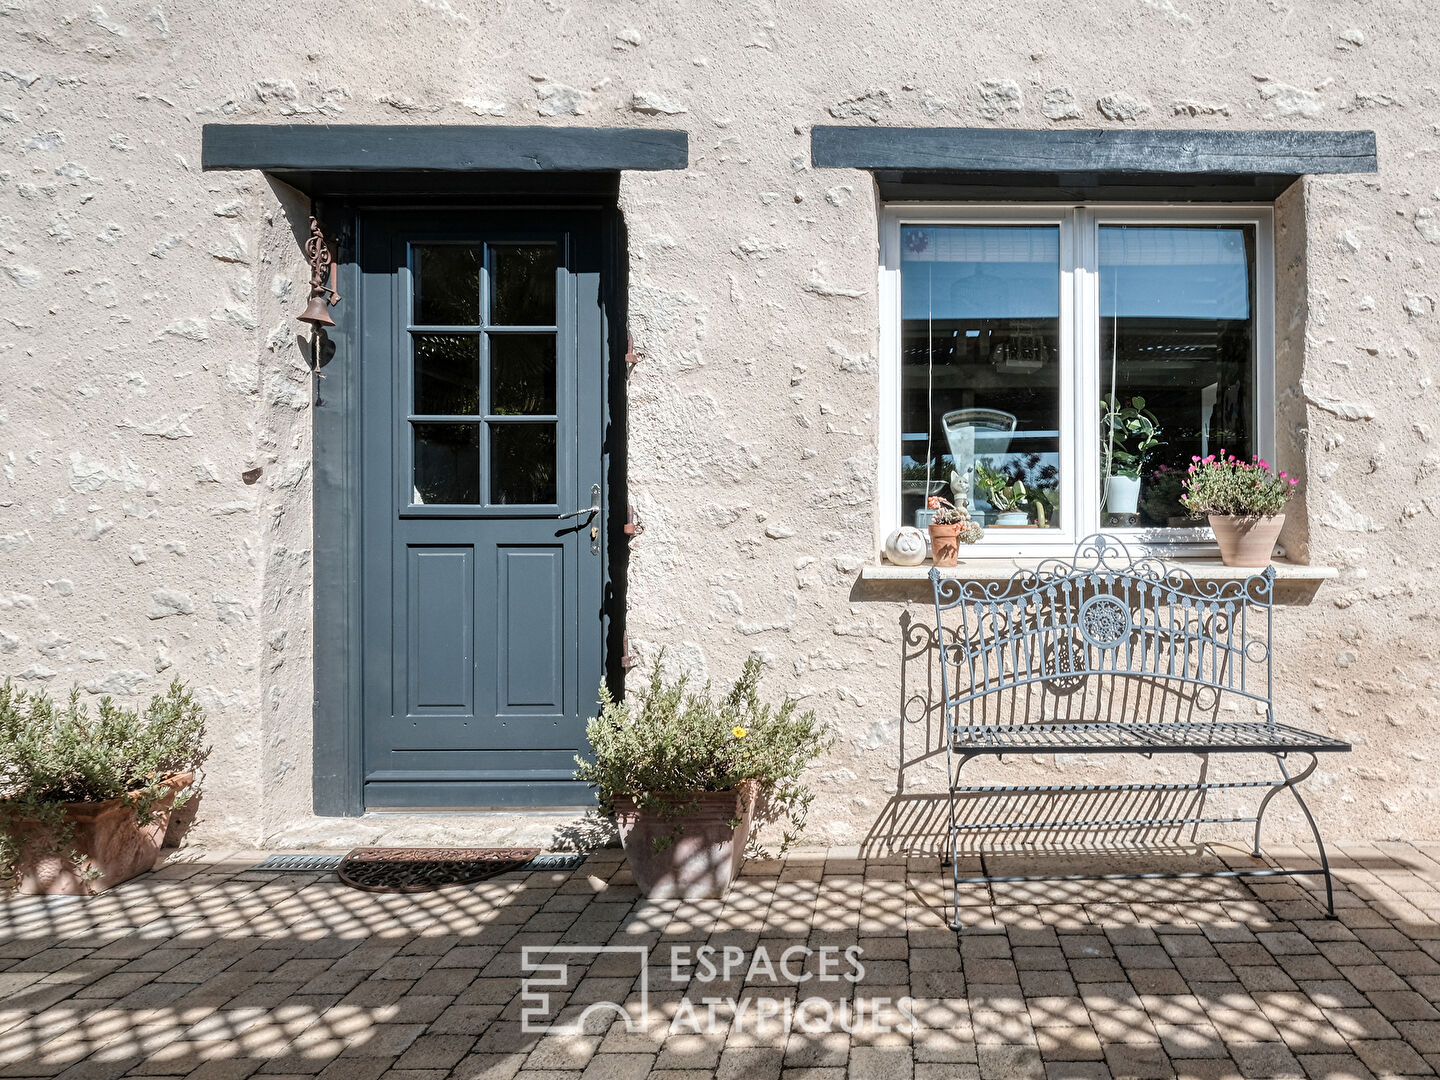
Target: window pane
<point>522,463</point>
<point>522,285</point>
<point>447,463</point>
<point>980,371</point>
<point>447,285</point>
<point>522,374</point>
<point>447,374</point>
<point>1177,332</point>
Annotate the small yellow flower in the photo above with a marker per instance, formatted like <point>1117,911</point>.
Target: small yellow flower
<point>739,732</point>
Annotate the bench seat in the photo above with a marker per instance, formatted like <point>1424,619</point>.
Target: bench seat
<point>1130,738</point>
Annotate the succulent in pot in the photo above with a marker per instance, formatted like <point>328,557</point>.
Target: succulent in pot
<point>1009,497</point>
<point>1243,501</point>
<point>85,801</point>
<point>693,780</point>
<point>950,526</point>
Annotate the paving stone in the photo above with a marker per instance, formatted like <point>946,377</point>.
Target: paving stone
<point>757,1063</point>
<point>1069,1044</point>
<point>1138,1062</point>
<point>619,1067</point>
<point>488,1067</point>
<point>1191,1041</point>
<point>1334,1067</point>
<point>1266,1061</point>
<point>1390,1057</point>
<point>880,1063</point>
<point>1077,1070</point>
<point>946,1072</point>
<point>1010,1063</point>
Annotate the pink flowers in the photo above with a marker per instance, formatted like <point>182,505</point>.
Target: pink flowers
<point>1226,485</point>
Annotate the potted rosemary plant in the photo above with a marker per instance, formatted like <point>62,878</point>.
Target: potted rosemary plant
<point>85,801</point>
<point>693,779</point>
<point>1243,501</point>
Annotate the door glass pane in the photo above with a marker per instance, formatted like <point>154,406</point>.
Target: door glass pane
<point>447,374</point>
<point>447,463</point>
<point>447,285</point>
<point>522,463</point>
<point>1177,352</point>
<point>522,374</point>
<point>980,373</point>
<point>522,284</point>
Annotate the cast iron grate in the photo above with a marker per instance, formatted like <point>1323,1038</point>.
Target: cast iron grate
<point>300,862</point>
<point>556,861</point>
<point>313,863</point>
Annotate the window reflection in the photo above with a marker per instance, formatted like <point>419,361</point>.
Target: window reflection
<point>1177,333</point>
<point>980,370</point>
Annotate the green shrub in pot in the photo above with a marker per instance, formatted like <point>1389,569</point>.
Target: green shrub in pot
<point>662,755</point>
<point>58,761</point>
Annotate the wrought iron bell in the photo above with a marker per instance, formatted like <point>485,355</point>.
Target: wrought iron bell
<point>322,265</point>
<point>317,312</point>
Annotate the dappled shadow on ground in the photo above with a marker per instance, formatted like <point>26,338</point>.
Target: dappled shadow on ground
<point>213,967</point>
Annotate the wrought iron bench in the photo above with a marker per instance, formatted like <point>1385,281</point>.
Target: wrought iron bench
<point>1148,637</point>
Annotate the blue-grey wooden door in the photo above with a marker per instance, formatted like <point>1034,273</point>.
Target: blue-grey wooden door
<point>482,403</point>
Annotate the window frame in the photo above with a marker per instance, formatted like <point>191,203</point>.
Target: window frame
<point>1079,289</point>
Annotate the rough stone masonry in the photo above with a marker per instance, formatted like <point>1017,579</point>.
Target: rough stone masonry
<point>150,361</point>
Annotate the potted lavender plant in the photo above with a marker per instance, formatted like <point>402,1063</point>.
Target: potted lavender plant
<point>688,777</point>
<point>85,800</point>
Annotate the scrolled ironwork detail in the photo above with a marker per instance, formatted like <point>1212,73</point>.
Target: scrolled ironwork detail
<point>1104,621</point>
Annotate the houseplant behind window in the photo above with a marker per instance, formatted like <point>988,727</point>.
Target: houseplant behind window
<point>1128,436</point>
<point>85,801</point>
<point>687,775</point>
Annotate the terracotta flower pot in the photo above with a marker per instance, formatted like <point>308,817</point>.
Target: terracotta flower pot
<point>1246,541</point>
<point>944,544</point>
<point>699,853</point>
<point>114,844</point>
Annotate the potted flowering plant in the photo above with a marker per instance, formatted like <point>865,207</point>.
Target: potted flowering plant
<point>688,777</point>
<point>85,800</point>
<point>1243,500</point>
<point>949,528</point>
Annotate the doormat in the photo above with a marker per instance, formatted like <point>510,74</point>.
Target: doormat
<point>416,870</point>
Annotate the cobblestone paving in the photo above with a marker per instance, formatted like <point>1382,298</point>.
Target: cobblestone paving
<point>210,970</point>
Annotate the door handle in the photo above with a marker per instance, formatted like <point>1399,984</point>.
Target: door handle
<point>587,512</point>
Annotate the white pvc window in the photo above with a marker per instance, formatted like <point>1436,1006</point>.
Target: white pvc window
<point>1007,330</point>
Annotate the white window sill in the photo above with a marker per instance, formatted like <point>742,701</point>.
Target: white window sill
<point>1001,569</point>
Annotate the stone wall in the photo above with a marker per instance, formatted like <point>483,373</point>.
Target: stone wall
<point>149,359</point>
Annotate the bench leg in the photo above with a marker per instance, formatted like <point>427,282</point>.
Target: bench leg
<point>1291,784</point>
<point>952,859</point>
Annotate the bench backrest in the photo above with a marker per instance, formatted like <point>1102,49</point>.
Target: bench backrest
<point>1104,612</point>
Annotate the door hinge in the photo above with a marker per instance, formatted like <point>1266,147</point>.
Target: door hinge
<point>631,526</point>
<point>631,357</point>
<point>627,660</point>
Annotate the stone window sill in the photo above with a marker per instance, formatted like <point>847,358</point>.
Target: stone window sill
<point>999,569</point>
<point>1295,583</point>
